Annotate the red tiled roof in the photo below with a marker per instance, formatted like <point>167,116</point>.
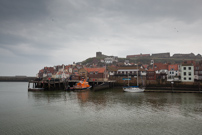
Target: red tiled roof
<point>145,66</point>
<point>173,66</point>
<point>159,66</point>
<point>150,70</point>
<point>99,70</point>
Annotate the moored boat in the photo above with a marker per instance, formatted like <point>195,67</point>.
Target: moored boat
<point>133,88</point>
<point>81,85</point>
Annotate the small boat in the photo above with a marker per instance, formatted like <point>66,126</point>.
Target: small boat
<point>133,88</point>
<point>81,85</point>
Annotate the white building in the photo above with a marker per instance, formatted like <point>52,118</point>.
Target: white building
<point>111,59</point>
<point>187,73</point>
<point>173,72</point>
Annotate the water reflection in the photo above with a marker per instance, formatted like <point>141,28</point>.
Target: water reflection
<point>170,103</point>
<point>50,96</point>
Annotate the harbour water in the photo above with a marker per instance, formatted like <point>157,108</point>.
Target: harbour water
<point>106,112</point>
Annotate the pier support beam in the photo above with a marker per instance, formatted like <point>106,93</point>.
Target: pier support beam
<point>49,85</point>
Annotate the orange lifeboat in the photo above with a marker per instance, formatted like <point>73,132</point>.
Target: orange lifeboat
<point>82,85</point>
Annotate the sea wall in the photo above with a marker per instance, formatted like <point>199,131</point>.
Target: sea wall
<point>16,78</point>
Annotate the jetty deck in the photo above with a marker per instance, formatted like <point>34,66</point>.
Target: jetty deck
<point>63,84</point>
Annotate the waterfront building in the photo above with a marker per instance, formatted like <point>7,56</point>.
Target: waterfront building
<point>83,72</point>
<point>111,70</point>
<point>127,70</point>
<point>187,73</point>
<point>173,72</point>
<point>97,73</point>
<point>198,71</point>
<point>161,70</point>
<point>150,74</point>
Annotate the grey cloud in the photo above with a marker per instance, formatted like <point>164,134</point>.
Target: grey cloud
<point>63,31</point>
<point>22,10</point>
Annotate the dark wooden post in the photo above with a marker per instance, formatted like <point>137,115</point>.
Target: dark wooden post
<point>28,85</point>
<point>54,84</point>
<point>48,84</point>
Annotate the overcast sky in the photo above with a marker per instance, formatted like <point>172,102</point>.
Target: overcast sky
<point>38,33</point>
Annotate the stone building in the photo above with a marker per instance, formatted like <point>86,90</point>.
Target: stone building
<point>161,55</point>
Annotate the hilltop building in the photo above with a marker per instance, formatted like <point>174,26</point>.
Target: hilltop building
<point>107,59</point>
<point>138,55</point>
<point>161,55</point>
<point>191,55</point>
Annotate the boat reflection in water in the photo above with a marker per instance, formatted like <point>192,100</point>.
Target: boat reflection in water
<point>133,89</point>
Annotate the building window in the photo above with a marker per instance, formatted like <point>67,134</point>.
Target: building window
<point>185,78</point>
<point>189,68</point>
<point>91,73</point>
<point>189,78</point>
<point>184,68</point>
<point>185,73</point>
<point>189,73</point>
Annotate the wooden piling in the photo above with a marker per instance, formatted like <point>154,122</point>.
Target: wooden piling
<point>49,85</point>
<point>28,85</point>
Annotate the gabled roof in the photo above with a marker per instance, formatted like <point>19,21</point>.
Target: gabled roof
<point>112,68</point>
<point>173,67</point>
<point>145,66</point>
<point>160,66</point>
<point>128,67</point>
<point>187,64</point>
<point>150,70</point>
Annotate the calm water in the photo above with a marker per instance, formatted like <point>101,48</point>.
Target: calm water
<point>108,112</point>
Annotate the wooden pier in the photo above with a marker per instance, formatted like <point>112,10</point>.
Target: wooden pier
<point>64,84</point>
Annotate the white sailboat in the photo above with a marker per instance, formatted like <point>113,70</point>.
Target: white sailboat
<point>133,88</point>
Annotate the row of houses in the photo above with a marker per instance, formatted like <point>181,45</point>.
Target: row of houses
<point>188,71</point>
<point>74,72</point>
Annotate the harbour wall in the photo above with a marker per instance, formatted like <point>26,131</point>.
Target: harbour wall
<point>16,78</point>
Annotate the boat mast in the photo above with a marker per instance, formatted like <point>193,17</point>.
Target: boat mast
<point>128,79</point>
<point>137,74</point>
